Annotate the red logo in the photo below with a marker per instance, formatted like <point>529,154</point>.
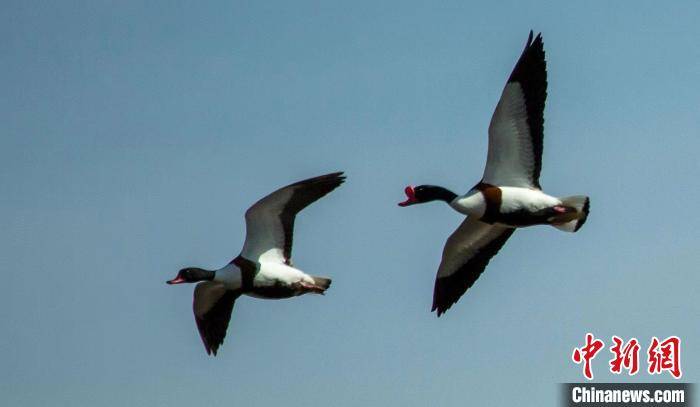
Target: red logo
<point>626,356</point>
<point>586,354</point>
<point>662,356</point>
<point>665,355</point>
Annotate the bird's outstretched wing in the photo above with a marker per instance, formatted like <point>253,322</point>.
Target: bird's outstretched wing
<point>270,222</point>
<point>465,256</point>
<point>517,125</point>
<point>212,308</point>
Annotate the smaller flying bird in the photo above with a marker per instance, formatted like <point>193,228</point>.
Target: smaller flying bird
<point>264,267</point>
<point>509,194</point>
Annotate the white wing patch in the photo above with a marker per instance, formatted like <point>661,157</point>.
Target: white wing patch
<point>270,222</point>
<point>511,159</point>
<point>265,237</point>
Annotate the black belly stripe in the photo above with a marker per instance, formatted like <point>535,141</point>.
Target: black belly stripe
<point>277,291</point>
<point>527,218</point>
<point>493,197</point>
<point>248,269</point>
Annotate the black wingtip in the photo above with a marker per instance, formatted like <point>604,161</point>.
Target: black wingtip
<point>213,349</point>
<point>326,182</point>
<point>333,176</point>
<point>536,41</point>
<point>341,176</point>
<point>440,311</point>
<point>437,308</point>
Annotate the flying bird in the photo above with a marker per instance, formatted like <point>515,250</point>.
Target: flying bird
<point>509,195</point>
<point>264,267</point>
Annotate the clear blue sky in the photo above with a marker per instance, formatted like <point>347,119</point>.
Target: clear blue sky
<point>133,137</point>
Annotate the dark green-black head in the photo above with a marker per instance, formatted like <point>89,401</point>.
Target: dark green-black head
<point>192,275</point>
<point>427,193</point>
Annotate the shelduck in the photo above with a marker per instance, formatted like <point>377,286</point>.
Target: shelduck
<point>264,267</point>
<point>509,195</point>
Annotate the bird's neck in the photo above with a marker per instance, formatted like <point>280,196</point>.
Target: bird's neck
<point>442,194</point>
<point>205,275</point>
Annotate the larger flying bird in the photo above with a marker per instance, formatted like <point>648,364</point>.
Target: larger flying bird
<point>264,268</point>
<point>509,195</point>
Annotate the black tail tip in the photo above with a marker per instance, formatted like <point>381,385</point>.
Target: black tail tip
<point>585,210</point>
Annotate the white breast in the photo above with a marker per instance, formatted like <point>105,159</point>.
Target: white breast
<point>472,203</point>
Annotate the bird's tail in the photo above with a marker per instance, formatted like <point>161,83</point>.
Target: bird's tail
<point>582,205</point>
<point>322,282</point>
